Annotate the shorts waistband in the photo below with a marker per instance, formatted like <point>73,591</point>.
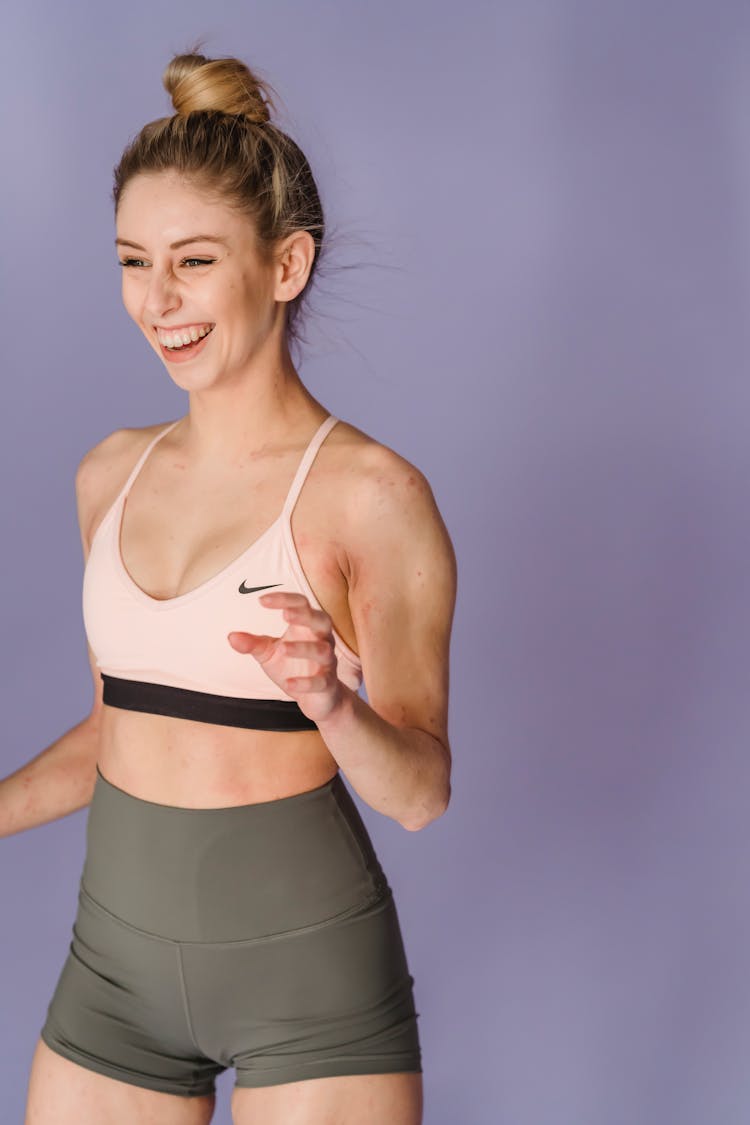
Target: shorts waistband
<point>233,873</point>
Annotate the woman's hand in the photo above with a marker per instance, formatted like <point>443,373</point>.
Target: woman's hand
<point>301,661</point>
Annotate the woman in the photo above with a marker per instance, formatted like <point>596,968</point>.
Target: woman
<point>232,910</point>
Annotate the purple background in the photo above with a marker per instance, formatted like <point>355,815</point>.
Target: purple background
<point>547,211</point>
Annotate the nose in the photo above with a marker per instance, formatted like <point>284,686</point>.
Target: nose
<point>162,293</point>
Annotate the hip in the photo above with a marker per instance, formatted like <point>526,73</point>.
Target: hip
<point>234,873</point>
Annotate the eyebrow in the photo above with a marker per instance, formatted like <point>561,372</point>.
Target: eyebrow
<point>175,245</point>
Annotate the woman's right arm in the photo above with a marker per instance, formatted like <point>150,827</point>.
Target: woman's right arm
<point>60,779</point>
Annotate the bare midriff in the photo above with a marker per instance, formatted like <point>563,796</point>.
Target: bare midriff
<point>203,765</point>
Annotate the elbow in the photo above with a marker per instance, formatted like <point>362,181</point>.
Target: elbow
<point>421,817</point>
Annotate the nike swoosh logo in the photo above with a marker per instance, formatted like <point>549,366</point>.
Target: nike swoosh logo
<point>254,589</point>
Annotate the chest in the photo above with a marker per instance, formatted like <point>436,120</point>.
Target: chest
<point>178,535</point>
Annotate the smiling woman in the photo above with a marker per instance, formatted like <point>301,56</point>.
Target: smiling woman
<point>247,566</point>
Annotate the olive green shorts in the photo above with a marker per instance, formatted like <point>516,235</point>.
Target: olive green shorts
<point>262,937</point>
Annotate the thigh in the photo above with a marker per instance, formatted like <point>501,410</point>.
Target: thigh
<point>118,1009</point>
<point>329,1000</point>
<point>368,1099</point>
<point>60,1092</point>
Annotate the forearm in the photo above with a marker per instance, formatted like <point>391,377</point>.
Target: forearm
<point>58,781</point>
<point>402,772</point>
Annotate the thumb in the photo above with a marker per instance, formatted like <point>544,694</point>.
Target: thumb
<point>260,645</point>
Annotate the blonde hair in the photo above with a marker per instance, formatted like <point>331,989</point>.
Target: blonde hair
<point>221,136</point>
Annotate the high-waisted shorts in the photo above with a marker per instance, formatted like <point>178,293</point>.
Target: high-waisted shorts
<point>262,937</point>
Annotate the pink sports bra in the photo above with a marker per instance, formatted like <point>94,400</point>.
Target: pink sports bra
<point>171,656</point>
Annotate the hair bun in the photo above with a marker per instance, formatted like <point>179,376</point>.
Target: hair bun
<point>226,84</point>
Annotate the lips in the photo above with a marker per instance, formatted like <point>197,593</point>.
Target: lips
<point>182,334</point>
<point>186,352</point>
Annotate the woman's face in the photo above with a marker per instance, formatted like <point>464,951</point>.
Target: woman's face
<point>191,270</point>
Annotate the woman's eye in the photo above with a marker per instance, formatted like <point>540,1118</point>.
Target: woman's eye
<point>198,261</point>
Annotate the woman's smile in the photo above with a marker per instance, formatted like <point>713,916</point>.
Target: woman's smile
<point>178,345</point>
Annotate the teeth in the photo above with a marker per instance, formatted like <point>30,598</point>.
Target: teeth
<point>184,336</point>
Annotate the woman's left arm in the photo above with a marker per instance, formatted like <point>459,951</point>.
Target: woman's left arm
<point>401,573</point>
<point>402,593</point>
<point>401,576</point>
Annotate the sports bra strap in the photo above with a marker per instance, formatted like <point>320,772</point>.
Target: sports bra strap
<point>139,463</point>
<point>307,459</point>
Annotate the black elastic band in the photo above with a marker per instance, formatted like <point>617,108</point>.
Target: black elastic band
<point>203,706</point>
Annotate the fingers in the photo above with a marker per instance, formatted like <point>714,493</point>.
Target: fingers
<point>298,611</point>
<point>317,693</point>
<point>260,645</point>
<point>307,683</point>
<point>321,651</point>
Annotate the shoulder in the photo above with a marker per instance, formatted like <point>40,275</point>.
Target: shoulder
<point>376,472</point>
<point>388,503</point>
<point>103,469</point>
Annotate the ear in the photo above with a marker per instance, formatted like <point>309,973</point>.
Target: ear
<point>295,259</point>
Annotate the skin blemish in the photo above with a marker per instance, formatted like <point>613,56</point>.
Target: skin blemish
<point>367,608</point>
